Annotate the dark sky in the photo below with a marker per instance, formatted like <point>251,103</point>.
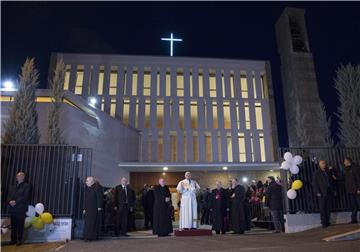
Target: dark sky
<point>238,30</point>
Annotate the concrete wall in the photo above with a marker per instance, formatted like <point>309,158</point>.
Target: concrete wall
<point>301,222</point>
<point>84,126</point>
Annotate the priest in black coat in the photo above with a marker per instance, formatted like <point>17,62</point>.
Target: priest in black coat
<point>124,203</point>
<point>219,208</point>
<point>162,223</point>
<point>19,199</point>
<point>238,220</point>
<point>92,209</point>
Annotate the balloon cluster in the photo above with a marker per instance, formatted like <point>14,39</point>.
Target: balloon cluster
<point>36,217</point>
<point>292,163</point>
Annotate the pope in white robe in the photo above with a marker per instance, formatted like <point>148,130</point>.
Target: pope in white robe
<point>188,205</point>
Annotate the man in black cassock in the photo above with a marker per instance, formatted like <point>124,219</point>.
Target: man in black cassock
<point>229,192</point>
<point>238,220</point>
<point>322,185</point>
<point>219,208</point>
<point>124,203</point>
<point>92,209</point>
<point>162,223</point>
<point>19,199</point>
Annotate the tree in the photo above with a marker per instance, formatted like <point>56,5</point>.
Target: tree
<point>21,127</point>
<point>347,84</point>
<point>325,124</point>
<point>57,94</point>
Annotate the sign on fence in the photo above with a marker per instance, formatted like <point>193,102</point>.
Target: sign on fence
<point>59,230</point>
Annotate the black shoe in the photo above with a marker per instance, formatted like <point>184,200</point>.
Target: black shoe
<point>12,242</point>
<point>223,232</point>
<point>217,232</point>
<point>126,235</point>
<point>18,243</point>
<point>324,226</point>
<point>276,232</point>
<point>193,228</point>
<point>353,222</point>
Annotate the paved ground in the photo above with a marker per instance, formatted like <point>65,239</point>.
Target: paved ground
<point>257,240</point>
<point>304,241</point>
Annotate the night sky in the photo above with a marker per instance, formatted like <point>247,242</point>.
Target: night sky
<point>235,30</point>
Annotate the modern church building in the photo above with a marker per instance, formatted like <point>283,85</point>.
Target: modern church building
<point>152,116</point>
<point>197,114</point>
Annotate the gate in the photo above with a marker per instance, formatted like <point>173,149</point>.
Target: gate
<point>56,174</point>
<point>306,201</point>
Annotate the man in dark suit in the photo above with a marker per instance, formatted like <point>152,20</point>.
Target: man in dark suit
<point>124,203</point>
<point>274,200</point>
<point>352,186</point>
<point>19,199</point>
<point>323,190</point>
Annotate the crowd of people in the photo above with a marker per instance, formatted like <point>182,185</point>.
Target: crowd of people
<point>226,209</point>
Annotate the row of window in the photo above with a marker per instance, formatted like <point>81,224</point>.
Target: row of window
<point>209,152</point>
<point>119,82</point>
<point>194,113</point>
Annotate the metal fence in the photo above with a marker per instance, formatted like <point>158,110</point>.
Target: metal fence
<point>306,200</point>
<point>56,174</point>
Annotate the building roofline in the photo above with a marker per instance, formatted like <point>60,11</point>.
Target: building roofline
<point>162,57</point>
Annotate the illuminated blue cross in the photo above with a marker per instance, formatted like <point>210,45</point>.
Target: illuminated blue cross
<point>171,39</point>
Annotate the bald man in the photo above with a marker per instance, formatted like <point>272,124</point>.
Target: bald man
<point>19,199</point>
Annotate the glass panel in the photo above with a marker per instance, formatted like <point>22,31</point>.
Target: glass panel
<point>229,147</point>
<point>126,111</point>
<point>160,114</point>
<point>201,84</point>
<point>191,84</point>
<point>196,146</point>
<point>219,147</point>
<point>254,86</point>
<point>215,117</point>
<point>208,147</point>
<point>147,114</point>
<point>67,77</point>
<point>262,147</point>
<point>194,114</point>
<point>181,114</point>
<point>242,149</point>
<point>79,79</point>
<point>168,83</point>
<point>158,83</point>
<point>113,81</point>
<point>173,147</point>
<point>259,117</point>
<point>101,80</point>
<point>212,84</point>
<point>113,107</point>
<point>160,146</point>
<point>134,82</point>
<point>147,83</point>
<point>180,84</point>
<point>227,119</point>
<point>232,85</point>
<point>247,115</point>
<point>244,87</point>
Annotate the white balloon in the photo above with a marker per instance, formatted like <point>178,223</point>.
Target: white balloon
<point>294,169</point>
<point>297,160</point>
<point>39,207</point>
<point>291,194</point>
<point>288,157</point>
<point>285,165</point>
<point>31,211</point>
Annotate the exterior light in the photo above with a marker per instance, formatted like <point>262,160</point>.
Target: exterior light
<point>92,101</point>
<point>224,168</point>
<point>165,168</point>
<point>163,173</point>
<point>271,170</point>
<point>244,179</point>
<point>8,85</point>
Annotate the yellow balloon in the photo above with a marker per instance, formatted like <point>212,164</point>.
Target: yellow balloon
<point>46,218</point>
<point>297,184</point>
<point>37,223</point>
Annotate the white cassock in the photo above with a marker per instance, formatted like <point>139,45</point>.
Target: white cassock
<point>188,204</point>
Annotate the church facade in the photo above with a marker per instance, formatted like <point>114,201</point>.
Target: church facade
<point>196,114</point>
